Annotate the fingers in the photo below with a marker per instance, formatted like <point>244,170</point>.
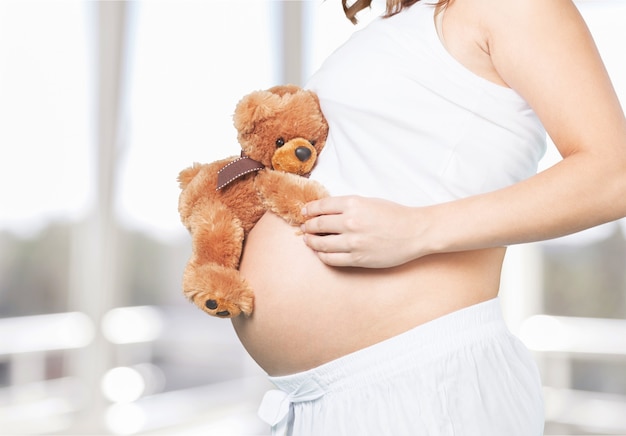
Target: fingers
<point>326,243</point>
<point>325,206</point>
<point>330,250</point>
<point>321,217</point>
<point>328,215</point>
<point>336,259</point>
<point>357,231</point>
<point>323,225</point>
<point>329,230</point>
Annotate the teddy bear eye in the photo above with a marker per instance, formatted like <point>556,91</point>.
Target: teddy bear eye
<point>313,142</point>
<point>280,142</point>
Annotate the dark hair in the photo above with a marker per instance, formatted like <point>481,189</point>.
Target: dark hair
<point>393,7</point>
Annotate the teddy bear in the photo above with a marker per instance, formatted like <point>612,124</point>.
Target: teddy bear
<point>281,132</point>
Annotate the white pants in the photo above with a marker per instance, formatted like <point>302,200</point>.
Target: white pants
<point>463,374</point>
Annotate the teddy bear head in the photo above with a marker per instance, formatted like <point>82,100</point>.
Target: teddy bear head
<point>282,128</point>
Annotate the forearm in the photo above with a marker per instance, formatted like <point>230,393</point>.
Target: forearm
<point>579,192</point>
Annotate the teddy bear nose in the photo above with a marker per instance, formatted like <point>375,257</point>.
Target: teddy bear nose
<point>303,154</point>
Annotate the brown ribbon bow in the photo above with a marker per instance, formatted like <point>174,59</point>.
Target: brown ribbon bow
<point>235,169</point>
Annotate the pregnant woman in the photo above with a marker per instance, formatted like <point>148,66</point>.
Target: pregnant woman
<point>385,318</point>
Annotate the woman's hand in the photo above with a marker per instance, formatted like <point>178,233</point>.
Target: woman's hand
<point>362,232</point>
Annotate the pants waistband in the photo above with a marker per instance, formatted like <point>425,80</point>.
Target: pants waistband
<point>420,345</point>
<point>416,347</point>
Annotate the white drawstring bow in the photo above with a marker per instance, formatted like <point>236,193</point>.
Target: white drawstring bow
<point>277,406</point>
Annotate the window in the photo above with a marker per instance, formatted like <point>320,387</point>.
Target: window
<point>101,105</point>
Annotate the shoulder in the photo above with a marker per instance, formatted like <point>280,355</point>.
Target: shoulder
<point>544,50</point>
<point>520,35</point>
<point>481,33</point>
<point>526,22</point>
<point>518,12</point>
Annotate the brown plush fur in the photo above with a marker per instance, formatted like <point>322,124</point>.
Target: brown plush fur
<point>271,125</point>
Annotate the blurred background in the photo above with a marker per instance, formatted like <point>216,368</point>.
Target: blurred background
<point>101,105</point>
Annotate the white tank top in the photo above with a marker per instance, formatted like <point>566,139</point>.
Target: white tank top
<point>410,124</point>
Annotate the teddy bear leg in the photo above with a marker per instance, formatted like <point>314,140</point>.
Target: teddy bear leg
<point>285,194</point>
<point>217,290</point>
<point>211,279</point>
<point>217,235</point>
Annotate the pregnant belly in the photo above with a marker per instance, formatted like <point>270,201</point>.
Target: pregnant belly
<point>307,313</point>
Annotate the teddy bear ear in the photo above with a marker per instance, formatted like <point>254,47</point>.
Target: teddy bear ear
<point>285,89</point>
<point>253,108</point>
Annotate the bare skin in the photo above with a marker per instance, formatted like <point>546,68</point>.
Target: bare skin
<point>307,313</point>
<point>384,268</point>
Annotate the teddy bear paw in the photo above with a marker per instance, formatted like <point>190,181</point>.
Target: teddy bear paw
<point>214,305</point>
<point>285,194</point>
<point>218,291</point>
<point>228,309</point>
<point>222,307</point>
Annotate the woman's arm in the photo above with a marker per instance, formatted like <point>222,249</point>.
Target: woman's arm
<point>543,50</point>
